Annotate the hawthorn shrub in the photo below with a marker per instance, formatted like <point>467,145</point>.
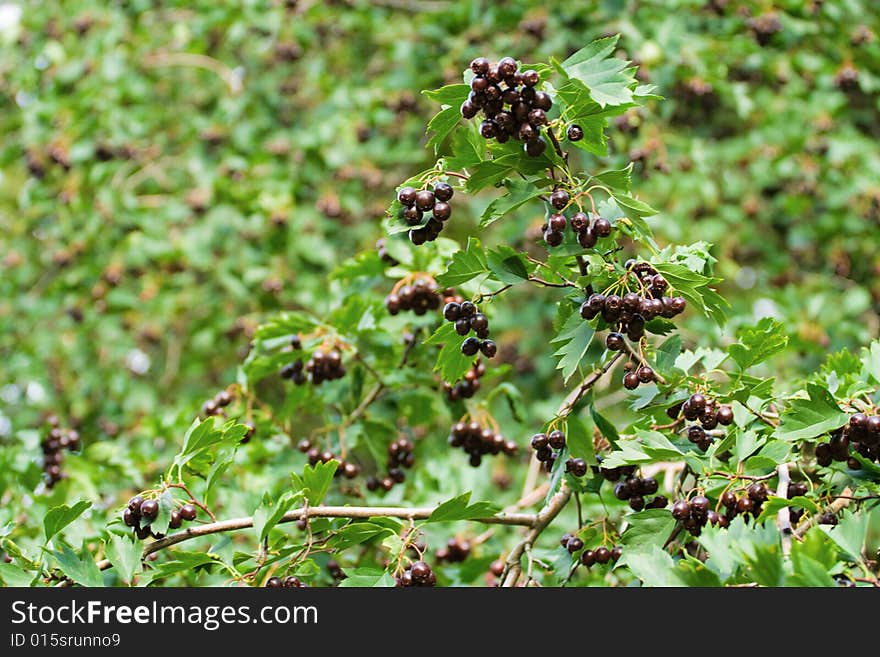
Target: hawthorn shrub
<point>335,455</point>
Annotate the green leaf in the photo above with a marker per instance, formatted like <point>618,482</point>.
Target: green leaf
<point>658,445</point>
<point>809,572</point>
<point>609,79</point>
<point>451,363</point>
<point>651,564</point>
<point>81,569</point>
<point>605,426</point>
<point>270,512</point>
<point>315,480</point>
<point>125,554</point>
<point>451,94</point>
<point>441,125</point>
<point>695,287</point>
<point>650,527</point>
<point>183,562</point>
<point>57,518</point>
<point>458,509</point>
<point>491,172</point>
<point>519,192</point>
<point>775,504</point>
<point>757,343</point>
<point>849,534</point>
<point>366,578</point>
<point>691,572</point>
<point>804,419</point>
<point>579,439</point>
<point>201,436</point>
<point>465,265</point>
<point>871,361</point>
<point>573,340</point>
<point>468,148</point>
<point>620,180</point>
<point>640,208</point>
<point>763,555</point>
<point>667,353</point>
<point>12,575</point>
<point>508,265</point>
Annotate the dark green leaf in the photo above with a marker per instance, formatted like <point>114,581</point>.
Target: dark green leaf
<point>808,418</point>
<point>465,265</point>
<point>57,518</point>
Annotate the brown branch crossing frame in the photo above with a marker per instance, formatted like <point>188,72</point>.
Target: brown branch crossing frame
<point>363,512</point>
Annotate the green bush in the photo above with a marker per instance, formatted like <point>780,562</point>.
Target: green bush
<point>183,184</point>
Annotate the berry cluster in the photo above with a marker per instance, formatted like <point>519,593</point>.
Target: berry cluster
<point>634,490</point>
<point>384,256</point>
<point>401,455</point>
<point>345,468</point>
<point>417,202</point>
<point>861,435</point>
<point>709,413</point>
<point>544,444</point>
<point>517,110</point>
<point>140,513</point>
<point>418,573</point>
<point>477,441</point>
<point>637,374</point>
<point>53,446</point>
<point>419,297</point>
<point>467,318</point>
<point>695,514</point>
<point>601,554</point>
<point>455,551</point>
<point>587,234</point>
<point>289,582</point>
<point>217,403</point>
<point>466,387</point>
<point>324,365</point>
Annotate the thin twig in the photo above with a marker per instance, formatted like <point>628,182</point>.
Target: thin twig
<point>574,397</point>
<point>545,517</point>
<point>841,502</point>
<point>363,512</point>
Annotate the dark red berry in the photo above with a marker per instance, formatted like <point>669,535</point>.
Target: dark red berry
<point>149,509</point>
<point>603,555</point>
<point>188,512</point>
<point>425,200</point>
<point>614,342</point>
<point>724,415</point>
<point>407,196</point>
<point>176,521</point>
<point>575,132</point>
<point>535,147</point>
<point>470,346</point>
<point>645,374</point>
<point>480,66</point>
<point>556,439</point>
<point>530,77</point>
<point>556,222</point>
<point>602,227</point>
<point>630,380</point>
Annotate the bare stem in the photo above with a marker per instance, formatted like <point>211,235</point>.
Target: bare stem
<point>363,512</point>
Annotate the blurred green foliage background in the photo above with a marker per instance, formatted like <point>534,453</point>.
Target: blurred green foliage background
<point>173,172</point>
